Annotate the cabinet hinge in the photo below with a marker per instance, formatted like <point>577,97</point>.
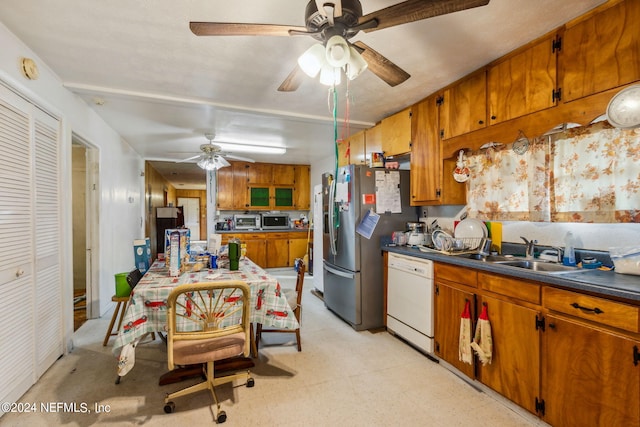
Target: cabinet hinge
<point>437,290</point>
<point>441,133</point>
<point>540,323</point>
<point>438,193</point>
<point>439,100</point>
<point>556,44</point>
<point>540,406</point>
<point>556,95</point>
<point>437,347</point>
<point>636,355</point>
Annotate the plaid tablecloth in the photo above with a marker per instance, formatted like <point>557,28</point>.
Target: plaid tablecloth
<point>147,309</point>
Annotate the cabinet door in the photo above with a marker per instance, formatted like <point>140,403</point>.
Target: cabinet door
<point>396,133</point>
<point>601,52</point>
<point>449,305</point>
<point>224,191</point>
<point>373,142</point>
<point>259,173</point>
<point>464,106</point>
<point>589,376</point>
<point>302,189</point>
<point>277,250</point>
<point>297,247</point>
<point>344,153</point>
<point>283,174</point>
<point>522,83</point>
<point>240,187</point>
<point>357,149</point>
<point>256,249</point>
<point>426,159</point>
<point>515,369</point>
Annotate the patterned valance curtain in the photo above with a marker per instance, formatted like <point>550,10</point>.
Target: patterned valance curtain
<point>584,174</point>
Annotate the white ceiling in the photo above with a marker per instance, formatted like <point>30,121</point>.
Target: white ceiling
<point>161,87</point>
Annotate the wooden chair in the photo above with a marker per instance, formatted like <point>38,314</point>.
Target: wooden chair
<point>133,278</point>
<point>207,323</point>
<point>295,301</point>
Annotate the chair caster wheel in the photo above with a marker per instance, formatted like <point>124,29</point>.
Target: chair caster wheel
<point>250,382</point>
<point>222,417</point>
<point>169,407</point>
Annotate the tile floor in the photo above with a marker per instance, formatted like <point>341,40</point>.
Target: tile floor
<point>341,378</point>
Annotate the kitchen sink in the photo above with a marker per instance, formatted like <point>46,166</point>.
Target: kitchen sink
<point>540,266</point>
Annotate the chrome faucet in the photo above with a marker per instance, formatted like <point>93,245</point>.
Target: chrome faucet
<point>531,247</point>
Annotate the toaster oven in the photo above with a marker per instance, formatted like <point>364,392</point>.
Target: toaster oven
<point>275,221</point>
<point>246,221</point>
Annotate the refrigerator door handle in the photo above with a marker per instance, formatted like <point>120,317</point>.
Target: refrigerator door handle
<point>332,219</point>
<point>339,272</point>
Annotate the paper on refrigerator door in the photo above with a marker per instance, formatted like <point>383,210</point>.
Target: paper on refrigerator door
<point>388,192</point>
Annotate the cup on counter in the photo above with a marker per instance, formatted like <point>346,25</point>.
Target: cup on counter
<point>213,261</point>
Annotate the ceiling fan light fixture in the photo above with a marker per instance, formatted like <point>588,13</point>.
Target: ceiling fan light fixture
<point>356,64</point>
<point>210,163</point>
<point>337,51</point>
<point>312,60</point>
<point>330,76</point>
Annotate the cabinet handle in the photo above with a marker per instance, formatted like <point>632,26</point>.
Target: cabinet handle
<point>552,325</point>
<point>590,310</point>
<point>480,122</point>
<point>493,117</point>
<point>19,272</point>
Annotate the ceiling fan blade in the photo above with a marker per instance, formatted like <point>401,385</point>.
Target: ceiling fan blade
<point>293,80</point>
<point>236,29</point>
<point>381,66</point>
<point>415,10</point>
<point>242,159</point>
<point>189,159</point>
<point>222,161</point>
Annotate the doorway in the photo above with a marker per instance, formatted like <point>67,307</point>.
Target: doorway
<point>191,211</point>
<point>84,167</point>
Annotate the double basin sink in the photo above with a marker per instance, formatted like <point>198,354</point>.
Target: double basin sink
<point>538,266</point>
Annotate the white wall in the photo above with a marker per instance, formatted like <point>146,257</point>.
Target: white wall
<point>121,188</point>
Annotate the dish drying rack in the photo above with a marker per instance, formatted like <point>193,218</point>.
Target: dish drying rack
<point>458,246</point>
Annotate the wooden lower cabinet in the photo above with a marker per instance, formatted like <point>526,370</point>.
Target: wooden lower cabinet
<point>272,250</point>
<point>589,377</point>
<point>514,371</point>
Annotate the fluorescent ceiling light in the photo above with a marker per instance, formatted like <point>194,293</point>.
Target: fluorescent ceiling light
<point>245,148</point>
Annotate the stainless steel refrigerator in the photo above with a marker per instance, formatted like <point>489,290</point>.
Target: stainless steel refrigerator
<point>352,268</point>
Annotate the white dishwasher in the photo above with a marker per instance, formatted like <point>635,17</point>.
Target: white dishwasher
<point>410,300</point>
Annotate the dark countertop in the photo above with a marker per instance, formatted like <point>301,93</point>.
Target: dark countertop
<point>285,230</point>
<point>605,283</point>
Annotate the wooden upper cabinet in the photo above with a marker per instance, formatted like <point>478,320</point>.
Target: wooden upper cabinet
<point>302,187</point>
<point>464,106</point>
<point>396,133</point>
<point>259,173</point>
<point>357,147</point>
<point>524,82</point>
<point>601,52</point>
<point>224,191</point>
<point>282,174</point>
<point>240,189</point>
<point>372,142</point>
<point>343,152</point>
<point>426,159</point>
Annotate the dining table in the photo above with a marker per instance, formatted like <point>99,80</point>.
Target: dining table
<point>146,311</point>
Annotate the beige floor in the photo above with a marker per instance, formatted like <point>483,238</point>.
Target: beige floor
<point>341,378</point>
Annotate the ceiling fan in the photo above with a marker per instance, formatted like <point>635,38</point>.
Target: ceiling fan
<point>334,23</point>
<point>212,157</point>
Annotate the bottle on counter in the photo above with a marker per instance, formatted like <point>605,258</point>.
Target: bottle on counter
<point>569,257</point>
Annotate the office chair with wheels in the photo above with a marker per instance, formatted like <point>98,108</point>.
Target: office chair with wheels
<point>208,322</point>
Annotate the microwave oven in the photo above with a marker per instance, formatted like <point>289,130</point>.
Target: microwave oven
<point>246,222</point>
<point>275,221</point>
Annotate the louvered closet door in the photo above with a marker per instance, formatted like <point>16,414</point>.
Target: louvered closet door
<point>16,249</point>
<point>48,285</point>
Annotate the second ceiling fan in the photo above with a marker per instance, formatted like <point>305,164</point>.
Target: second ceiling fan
<point>334,23</point>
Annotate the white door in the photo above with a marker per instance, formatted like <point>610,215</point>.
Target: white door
<point>191,211</point>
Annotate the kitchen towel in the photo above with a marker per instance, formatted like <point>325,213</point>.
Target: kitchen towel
<point>483,341</point>
<point>464,345</point>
